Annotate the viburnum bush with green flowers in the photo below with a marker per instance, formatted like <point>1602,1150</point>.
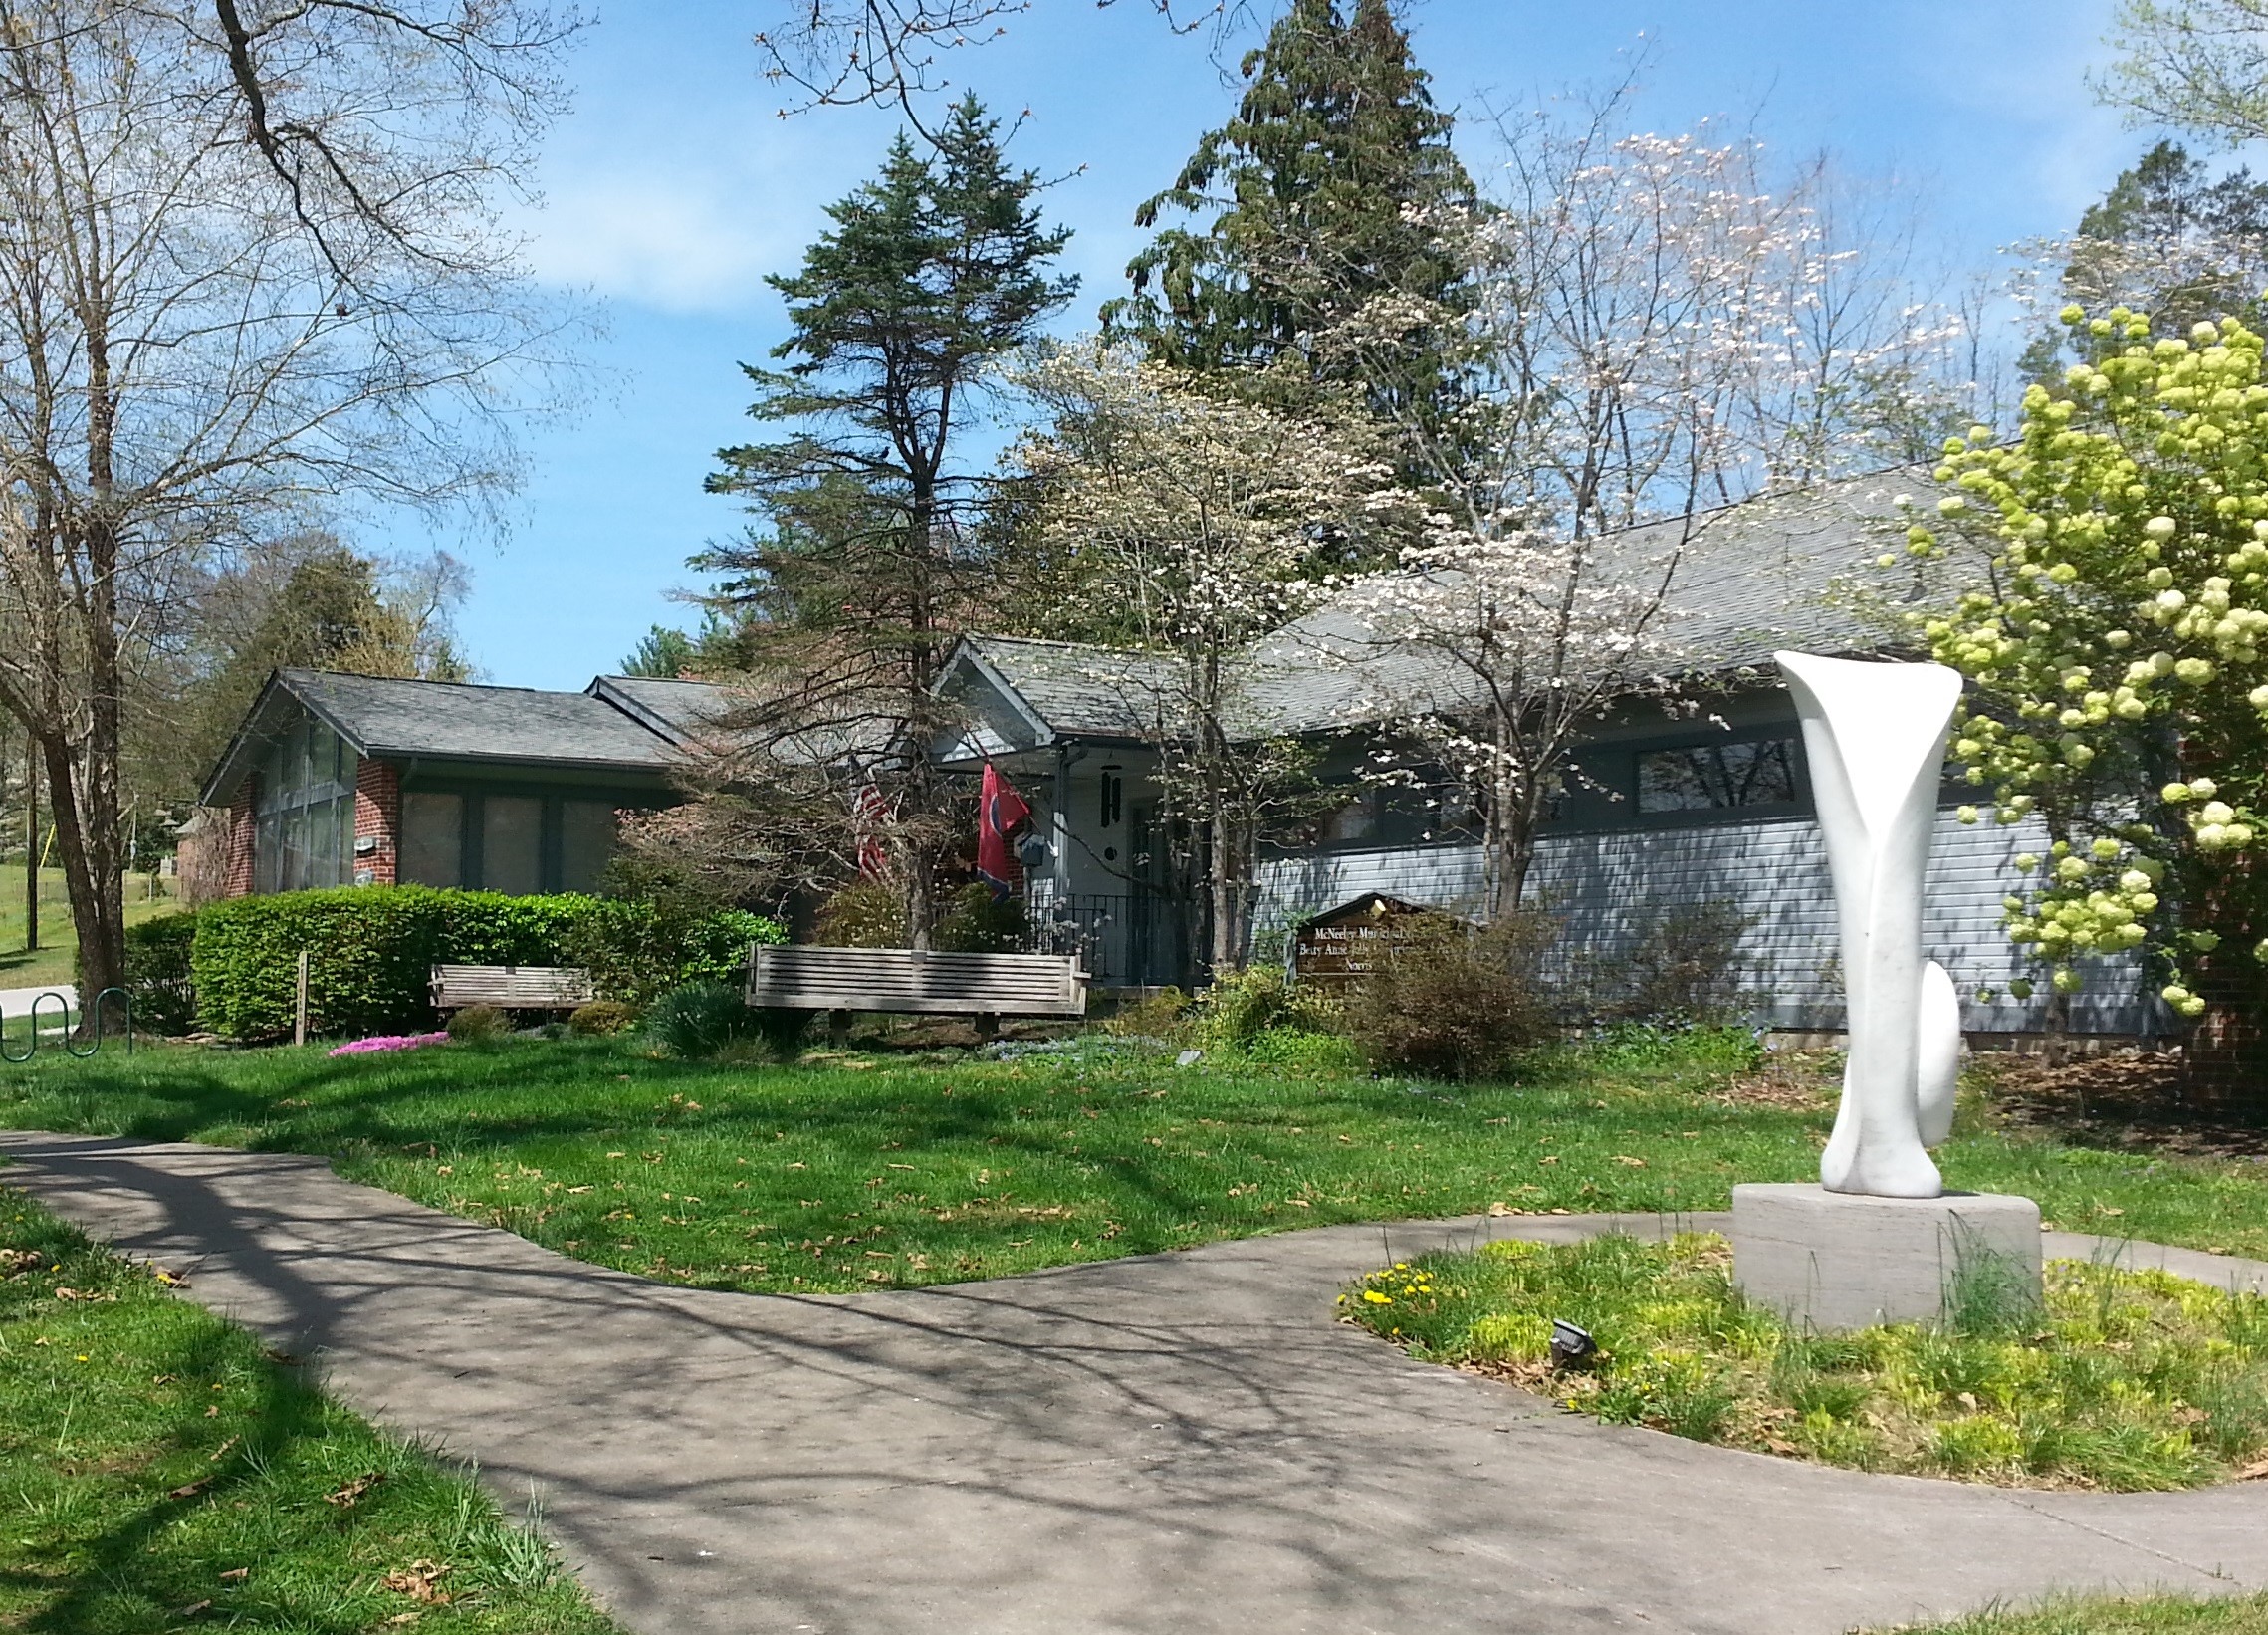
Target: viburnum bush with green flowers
<point>2114,645</point>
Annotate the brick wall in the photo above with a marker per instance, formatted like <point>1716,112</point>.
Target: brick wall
<point>242,826</point>
<point>377,817</point>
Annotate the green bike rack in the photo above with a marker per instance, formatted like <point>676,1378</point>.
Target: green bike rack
<point>94,1029</point>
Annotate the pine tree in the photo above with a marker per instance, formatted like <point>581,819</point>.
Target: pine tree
<point>1311,188</point>
<point>662,653</point>
<point>2168,239</point>
<point>850,595</point>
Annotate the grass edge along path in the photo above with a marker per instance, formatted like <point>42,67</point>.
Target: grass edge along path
<point>162,1471</point>
<point>2127,1380</point>
<point>2238,1615</point>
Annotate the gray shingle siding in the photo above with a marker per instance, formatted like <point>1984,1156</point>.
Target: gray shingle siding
<point>1606,884</point>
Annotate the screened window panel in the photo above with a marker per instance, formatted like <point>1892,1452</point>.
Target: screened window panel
<point>295,848</point>
<point>512,844</point>
<point>433,838</point>
<point>343,817</point>
<point>268,852</point>
<point>586,840</point>
<point>323,844</point>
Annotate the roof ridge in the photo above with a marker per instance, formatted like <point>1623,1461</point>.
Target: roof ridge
<point>427,681</point>
<point>1052,641</point>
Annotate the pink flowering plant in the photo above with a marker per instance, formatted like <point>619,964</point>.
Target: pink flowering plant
<point>388,1042</point>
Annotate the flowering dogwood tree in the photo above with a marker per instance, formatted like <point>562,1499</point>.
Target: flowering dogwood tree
<point>1648,325</point>
<point>1201,513</point>
<point>1647,328</point>
<point>1487,655</point>
<point>2115,646</point>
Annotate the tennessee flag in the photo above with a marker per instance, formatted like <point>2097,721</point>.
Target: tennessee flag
<point>1001,812</point>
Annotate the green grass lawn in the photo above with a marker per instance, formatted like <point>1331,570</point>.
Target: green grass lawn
<point>870,1170</point>
<point>161,1471</point>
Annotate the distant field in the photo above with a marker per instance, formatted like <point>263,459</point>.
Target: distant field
<point>59,943</point>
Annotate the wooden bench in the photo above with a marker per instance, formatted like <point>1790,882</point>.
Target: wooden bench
<point>916,982</point>
<point>511,987</point>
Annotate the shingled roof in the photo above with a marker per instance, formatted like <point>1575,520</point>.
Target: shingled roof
<point>1076,690</point>
<point>1749,579</point>
<point>386,718</point>
<point>677,710</point>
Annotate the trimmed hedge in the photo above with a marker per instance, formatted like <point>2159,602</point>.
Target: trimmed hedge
<point>372,950</point>
<point>157,973</point>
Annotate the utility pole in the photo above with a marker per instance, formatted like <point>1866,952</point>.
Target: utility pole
<point>31,843</point>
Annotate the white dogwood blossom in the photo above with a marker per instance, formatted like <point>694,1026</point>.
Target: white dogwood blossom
<point>1204,515</point>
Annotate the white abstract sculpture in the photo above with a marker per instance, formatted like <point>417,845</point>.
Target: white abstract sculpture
<point>1875,738</point>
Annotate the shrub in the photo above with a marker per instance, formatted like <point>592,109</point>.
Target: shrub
<point>1680,965</point>
<point>159,976</point>
<point>475,1023</point>
<point>600,1017</point>
<point>372,950</point>
<point>706,1019</point>
<point>1297,1050</point>
<point>638,950</point>
<point>1242,1006</point>
<point>865,915</point>
<point>1154,1016</point>
<point>1645,1045</point>
<point>974,921</point>
<point>1453,1001</point>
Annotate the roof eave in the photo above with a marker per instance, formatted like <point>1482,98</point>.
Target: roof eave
<point>220,785</point>
<point>967,652</point>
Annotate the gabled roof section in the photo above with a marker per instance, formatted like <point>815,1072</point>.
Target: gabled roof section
<point>1067,689</point>
<point>390,719</point>
<point>678,711</point>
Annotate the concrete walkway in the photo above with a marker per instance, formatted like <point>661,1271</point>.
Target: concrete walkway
<point>1178,1444</point>
<point>17,1001</point>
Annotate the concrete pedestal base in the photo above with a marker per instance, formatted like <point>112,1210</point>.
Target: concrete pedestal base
<point>1832,1260</point>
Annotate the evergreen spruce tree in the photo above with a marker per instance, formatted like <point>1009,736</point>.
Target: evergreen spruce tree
<point>847,597</point>
<point>2168,239</point>
<point>1310,188</point>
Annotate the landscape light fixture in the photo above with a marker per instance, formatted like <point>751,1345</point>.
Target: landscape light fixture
<point>1570,1346</point>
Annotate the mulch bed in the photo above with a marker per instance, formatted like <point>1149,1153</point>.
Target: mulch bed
<point>2126,1098</point>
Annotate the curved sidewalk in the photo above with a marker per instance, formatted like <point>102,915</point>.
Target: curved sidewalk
<point>1180,1444</point>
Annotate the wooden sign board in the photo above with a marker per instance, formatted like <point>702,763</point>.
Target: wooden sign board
<point>1351,939</point>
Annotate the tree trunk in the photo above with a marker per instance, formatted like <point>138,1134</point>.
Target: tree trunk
<point>1222,898</point>
<point>97,909</point>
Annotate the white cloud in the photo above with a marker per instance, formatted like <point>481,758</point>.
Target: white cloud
<point>680,242</point>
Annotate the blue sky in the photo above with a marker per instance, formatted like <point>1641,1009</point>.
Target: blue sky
<point>673,189</point>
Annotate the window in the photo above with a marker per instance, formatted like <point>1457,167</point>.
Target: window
<point>586,840</point>
<point>1711,777</point>
<point>433,838</point>
<point>1353,822</point>
<point>512,844</point>
<point>305,836</point>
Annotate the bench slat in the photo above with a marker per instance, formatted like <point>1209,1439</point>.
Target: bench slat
<point>511,987</point>
<point>915,981</point>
